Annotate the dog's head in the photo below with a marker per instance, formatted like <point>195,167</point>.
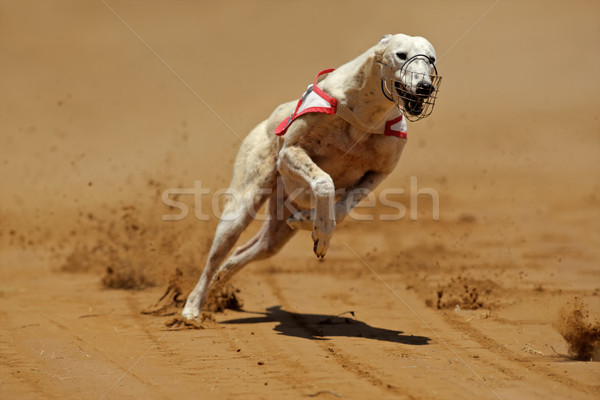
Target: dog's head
<point>408,74</point>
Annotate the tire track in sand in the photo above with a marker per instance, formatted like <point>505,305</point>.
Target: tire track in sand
<point>515,364</point>
<point>393,365</point>
<point>292,366</point>
<point>358,368</point>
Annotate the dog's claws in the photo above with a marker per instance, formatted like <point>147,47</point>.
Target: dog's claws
<point>320,257</point>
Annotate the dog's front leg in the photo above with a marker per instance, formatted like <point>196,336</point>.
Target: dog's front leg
<point>357,193</point>
<point>346,203</point>
<point>296,164</point>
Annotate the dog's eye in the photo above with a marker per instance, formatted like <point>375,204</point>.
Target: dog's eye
<point>401,55</point>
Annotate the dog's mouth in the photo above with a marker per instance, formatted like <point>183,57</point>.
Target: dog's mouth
<point>412,103</point>
<point>415,95</point>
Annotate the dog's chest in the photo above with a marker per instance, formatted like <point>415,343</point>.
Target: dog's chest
<point>347,159</point>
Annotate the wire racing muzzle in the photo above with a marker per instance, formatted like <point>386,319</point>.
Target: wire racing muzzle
<point>415,92</point>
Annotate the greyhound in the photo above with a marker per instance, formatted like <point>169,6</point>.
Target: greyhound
<point>316,158</point>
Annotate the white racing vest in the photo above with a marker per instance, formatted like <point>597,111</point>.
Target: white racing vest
<point>314,100</point>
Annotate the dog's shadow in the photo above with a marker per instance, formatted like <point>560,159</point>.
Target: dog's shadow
<point>322,327</point>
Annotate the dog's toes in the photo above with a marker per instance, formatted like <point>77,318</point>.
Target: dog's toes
<point>190,312</point>
<point>189,316</point>
<point>320,248</point>
<point>204,321</point>
<point>317,249</point>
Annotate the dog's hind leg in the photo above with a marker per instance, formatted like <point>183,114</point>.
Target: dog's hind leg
<point>234,220</point>
<point>274,233</point>
<point>254,178</point>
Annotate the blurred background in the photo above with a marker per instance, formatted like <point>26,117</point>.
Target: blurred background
<point>106,103</point>
<point>114,93</point>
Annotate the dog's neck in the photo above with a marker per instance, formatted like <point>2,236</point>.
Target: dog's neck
<point>358,85</point>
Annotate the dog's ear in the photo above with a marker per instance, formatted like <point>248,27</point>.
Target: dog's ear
<point>385,38</point>
<point>381,46</point>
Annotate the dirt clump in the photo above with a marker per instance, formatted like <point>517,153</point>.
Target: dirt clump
<point>173,299</point>
<point>463,293</point>
<point>225,298</point>
<point>125,278</point>
<point>118,243</point>
<point>205,321</point>
<point>133,248</point>
<point>582,335</point>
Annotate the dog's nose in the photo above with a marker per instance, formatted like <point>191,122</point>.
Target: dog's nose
<point>424,89</point>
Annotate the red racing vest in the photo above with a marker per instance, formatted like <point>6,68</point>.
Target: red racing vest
<point>314,100</point>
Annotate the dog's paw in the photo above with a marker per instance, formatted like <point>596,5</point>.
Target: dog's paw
<point>321,236</point>
<point>301,220</point>
<point>191,310</point>
<point>205,321</point>
<point>190,314</point>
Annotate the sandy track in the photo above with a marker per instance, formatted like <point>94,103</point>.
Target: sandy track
<point>74,339</point>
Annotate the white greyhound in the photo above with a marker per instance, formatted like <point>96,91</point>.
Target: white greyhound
<point>316,158</point>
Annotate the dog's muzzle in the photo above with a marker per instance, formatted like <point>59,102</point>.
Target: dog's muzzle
<point>416,92</point>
